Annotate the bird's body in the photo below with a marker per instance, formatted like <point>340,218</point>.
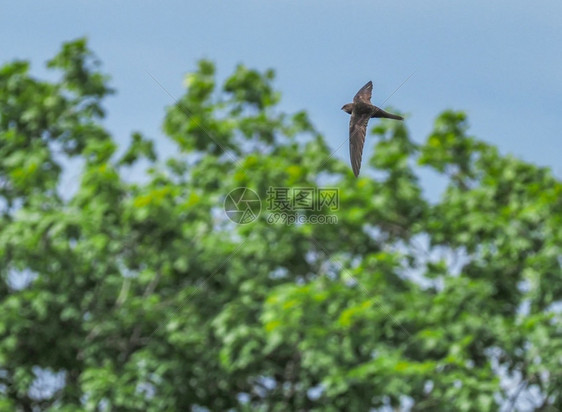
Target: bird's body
<point>361,110</point>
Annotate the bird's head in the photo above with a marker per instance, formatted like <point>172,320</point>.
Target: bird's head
<point>347,108</point>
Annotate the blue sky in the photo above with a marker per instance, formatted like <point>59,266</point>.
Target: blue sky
<point>499,61</point>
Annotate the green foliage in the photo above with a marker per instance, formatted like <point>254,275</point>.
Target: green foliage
<point>144,296</point>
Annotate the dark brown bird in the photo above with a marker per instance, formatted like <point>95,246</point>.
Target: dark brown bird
<point>361,110</point>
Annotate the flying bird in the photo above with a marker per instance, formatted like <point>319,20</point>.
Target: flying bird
<point>361,110</point>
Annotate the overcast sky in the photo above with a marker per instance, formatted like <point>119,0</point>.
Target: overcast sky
<point>499,61</point>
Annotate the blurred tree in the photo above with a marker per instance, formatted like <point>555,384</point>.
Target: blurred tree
<point>129,296</point>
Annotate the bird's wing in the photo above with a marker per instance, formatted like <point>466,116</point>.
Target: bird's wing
<point>357,132</point>
<point>364,93</point>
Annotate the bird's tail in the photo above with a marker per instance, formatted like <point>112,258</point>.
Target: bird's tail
<point>381,113</point>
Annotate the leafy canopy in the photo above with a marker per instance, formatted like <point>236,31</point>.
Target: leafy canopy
<point>143,296</point>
